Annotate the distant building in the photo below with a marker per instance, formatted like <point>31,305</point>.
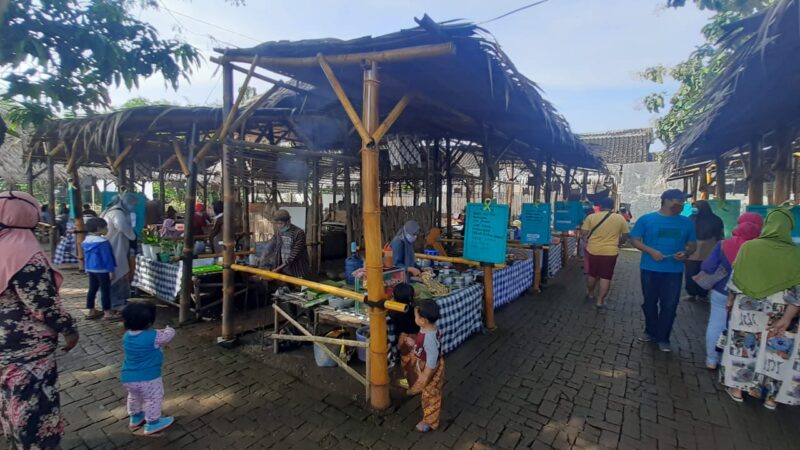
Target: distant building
<point>621,147</point>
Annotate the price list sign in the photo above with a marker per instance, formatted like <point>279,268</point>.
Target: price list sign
<point>486,233</point>
<point>536,223</point>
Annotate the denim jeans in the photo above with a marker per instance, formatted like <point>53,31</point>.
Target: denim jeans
<point>661,291</point>
<point>717,323</point>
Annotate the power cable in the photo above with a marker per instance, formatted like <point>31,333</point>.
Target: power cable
<point>514,11</point>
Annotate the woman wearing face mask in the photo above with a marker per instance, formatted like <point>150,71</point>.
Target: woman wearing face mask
<point>289,241</point>
<point>403,247</point>
<point>709,229</point>
<point>120,235</point>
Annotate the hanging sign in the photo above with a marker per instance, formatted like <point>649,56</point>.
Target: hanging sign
<point>563,218</point>
<point>536,219</point>
<point>728,211</point>
<point>486,232</point>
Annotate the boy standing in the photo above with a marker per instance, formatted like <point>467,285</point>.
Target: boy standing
<point>99,264</point>
<point>428,375</point>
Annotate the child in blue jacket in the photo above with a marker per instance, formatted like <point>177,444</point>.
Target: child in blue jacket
<point>99,264</point>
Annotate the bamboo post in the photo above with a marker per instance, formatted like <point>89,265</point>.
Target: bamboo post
<point>537,269</point>
<point>229,204</point>
<point>486,193</point>
<point>702,187</point>
<point>720,175</point>
<point>348,225</point>
<point>370,188</point>
<point>537,180</point>
<point>783,167</point>
<point>566,184</point>
<point>51,192</point>
<point>188,233</point>
<point>77,213</point>
<point>584,185</point>
<point>162,195</point>
<point>334,183</point>
<point>548,180</point>
<point>30,176</point>
<point>449,188</point>
<point>315,222</point>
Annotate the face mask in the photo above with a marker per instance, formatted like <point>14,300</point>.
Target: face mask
<point>285,229</point>
<point>410,238</point>
<point>676,208</point>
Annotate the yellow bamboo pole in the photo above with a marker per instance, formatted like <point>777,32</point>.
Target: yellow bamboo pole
<point>400,54</point>
<point>394,114</point>
<point>121,158</point>
<point>181,160</point>
<point>342,96</point>
<point>167,163</point>
<point>58,148</point>
<point>454,260</point>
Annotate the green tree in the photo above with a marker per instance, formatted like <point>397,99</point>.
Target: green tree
<point>702,65</point>
<point>63,55</point>
<point>136,102</point>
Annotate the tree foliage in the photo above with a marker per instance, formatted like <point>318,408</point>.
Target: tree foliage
<point>63,55</point>
<point>693,74</point>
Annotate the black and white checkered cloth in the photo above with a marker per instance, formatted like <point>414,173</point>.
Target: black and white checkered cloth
<point>162,280</point>
<point>510,282</point>
<point>572,246</point>
<point>459,318</point>
<point>66,250</point>
<point>554,259</point>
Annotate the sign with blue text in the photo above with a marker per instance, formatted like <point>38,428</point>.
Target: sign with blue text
<point>486,232</point>
<point>536,223</point>
<point>563,218</point>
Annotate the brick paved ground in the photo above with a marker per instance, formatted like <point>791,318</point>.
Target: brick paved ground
<point>556,374</point>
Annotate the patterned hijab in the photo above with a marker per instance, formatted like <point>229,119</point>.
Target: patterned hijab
<point>19,215</point>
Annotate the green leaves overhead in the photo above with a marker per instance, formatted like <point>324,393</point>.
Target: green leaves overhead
<point>705,63</point>
<point>63,55</point>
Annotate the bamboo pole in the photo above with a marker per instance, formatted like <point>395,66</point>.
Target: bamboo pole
<point>57,149</point>
<point>229,204</point>
<point>720,175</point>
<point>487,193</point>
<point>548,180</point>
<point>783,166</point>
<point>395,55</point>
<point>322,340</point>
<point>188,231</point>
<point>370,188</point>
<point>343,100</point>
<point>121,158</point>
<point>51,198</point>
<point>449,188</point>
<point>348,226</point>
<point>316,220</point>
<point>325,349</point>
<point>77,215</point>
<point>228,110</point>
<point>454,260</point>
<point>394,114</point>
<point>181,160</point>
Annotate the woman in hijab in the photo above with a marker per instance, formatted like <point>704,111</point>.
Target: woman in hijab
<point>403,247</point>
<point>761,356</point>
<point>169,226</point>
<point>709,229</point>
<point>120,234</point>
<point>724,254</point>
<point>31,318</point>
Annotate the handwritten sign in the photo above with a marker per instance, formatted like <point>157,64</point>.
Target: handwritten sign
<point>728,211</point>
<point>563,218</point>
<point>536,223</point>
<point>486,233</point>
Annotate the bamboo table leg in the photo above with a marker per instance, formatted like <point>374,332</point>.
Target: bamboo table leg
<point>274,330</point>
<point>537,270</point>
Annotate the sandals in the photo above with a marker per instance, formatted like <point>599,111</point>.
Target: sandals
<point>113,316</point>
<point>93,314</point>
<point>736,398</point>
<point>423,427</point>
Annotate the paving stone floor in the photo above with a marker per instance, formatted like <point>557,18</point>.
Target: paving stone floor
<point>556,374</point>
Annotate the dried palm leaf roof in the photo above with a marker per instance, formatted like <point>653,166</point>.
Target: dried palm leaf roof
<point>757,90</point>
<point>455,96</point>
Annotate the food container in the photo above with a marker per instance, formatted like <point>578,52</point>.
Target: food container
<point>468,278</point>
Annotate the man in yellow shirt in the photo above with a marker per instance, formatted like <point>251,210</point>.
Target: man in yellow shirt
<point>604,231</point>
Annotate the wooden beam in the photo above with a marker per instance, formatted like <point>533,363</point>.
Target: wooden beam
<point>167,163</point>
<point>720,175</point>
<point>342,96</point>
<point>261,77</point>
<point>395,55</point>
<point>57,149</point>
<point>755,182</point>
<point>181,160</point>
<point>121,158</point>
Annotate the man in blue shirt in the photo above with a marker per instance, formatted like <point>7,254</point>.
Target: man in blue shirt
<point>666,239</point>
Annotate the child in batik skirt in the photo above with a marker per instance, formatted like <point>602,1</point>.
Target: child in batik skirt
<point>141,369</point>
<point>429,365</point>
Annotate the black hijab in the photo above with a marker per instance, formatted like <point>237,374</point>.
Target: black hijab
<point>707,224</point>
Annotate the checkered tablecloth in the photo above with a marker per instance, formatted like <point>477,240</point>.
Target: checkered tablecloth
<point>510,282</point>
<point>572,246</point>
<point>459,318</point>
<point>162,280</point>
<point>554,260</point>
<point>66,251</point>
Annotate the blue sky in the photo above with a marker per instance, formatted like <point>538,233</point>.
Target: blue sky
<point>584,54</point>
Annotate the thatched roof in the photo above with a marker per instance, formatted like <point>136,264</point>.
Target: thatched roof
<point>14,169</point>
<point>757,91</point>
<point>456,96</point>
